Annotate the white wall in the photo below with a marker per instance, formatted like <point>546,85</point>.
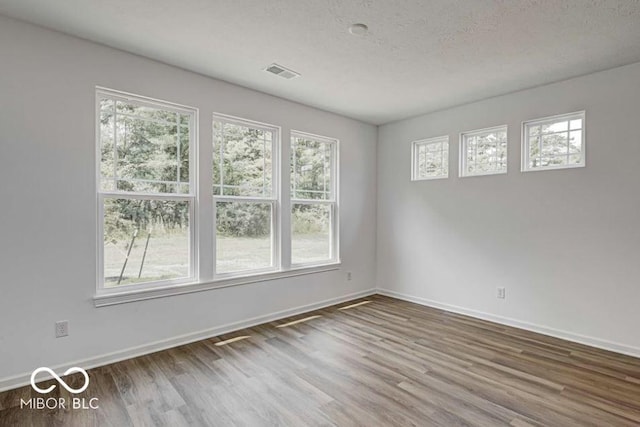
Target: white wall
<point>48,209</point>
<point>565,244</point>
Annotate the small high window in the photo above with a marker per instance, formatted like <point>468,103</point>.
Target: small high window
<point>430,158</point>
<point>483,152</point>
<point>554,142</point>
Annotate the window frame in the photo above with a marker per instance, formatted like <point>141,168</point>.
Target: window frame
<point>415,158</point>
<point>463,151</point>
<point>275,200</point>
<point>524,165</point>
<point>333,202</point>
<point>201,215</point>
<point>191,198</point>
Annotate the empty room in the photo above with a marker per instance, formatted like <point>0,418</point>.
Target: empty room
<point>319,213</point>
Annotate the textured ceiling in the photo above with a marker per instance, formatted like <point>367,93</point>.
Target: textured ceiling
<point>418,56</point>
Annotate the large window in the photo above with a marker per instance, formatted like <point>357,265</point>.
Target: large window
<point>245,190</point>
<point>554,142</point>
<point>430,158</point>
<point>146,190</point>
<point>150,193</point>
<point>314,207</point>
<point>483,152</point>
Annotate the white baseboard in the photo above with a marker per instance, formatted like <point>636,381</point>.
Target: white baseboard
<point>545,330</point>
<point>105,359</point>
<point>93,362</point>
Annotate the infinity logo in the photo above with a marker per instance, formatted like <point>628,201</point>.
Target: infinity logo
<point>62,383</point>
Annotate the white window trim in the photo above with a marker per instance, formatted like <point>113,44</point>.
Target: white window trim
<point>414,158</point>
<point>275,200</point>
<point>191,197</point>
<point>334,235</point>
<point>524,165</point>
<point>462,173</point>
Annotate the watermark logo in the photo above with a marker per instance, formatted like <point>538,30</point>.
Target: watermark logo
<point>60,380</point>
<point>60,402</point>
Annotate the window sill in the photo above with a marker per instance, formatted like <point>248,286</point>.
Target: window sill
<point>482,174</point>
<point>106,298</point>
<point>553,168</point>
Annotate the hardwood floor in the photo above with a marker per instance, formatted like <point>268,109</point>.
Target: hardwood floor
<point>383,362</point>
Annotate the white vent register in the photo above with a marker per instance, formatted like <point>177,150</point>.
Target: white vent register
<point>281,71</point>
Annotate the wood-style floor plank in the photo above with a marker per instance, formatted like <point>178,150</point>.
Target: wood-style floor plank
<point>375,361</point>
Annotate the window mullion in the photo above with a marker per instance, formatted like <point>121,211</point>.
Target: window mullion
<point>244,199</point>
<point>147,196</point>
<point>313,201</point>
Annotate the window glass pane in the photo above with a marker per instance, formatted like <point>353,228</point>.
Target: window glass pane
<point>147,155</point>
<point>575,124</point>
<point>218,154</point>
<point>145,112</point>
<point>561,126</point>
<point>151,148</point>
<point>145,241</point>
<point>242,162</point>
<point>486,152</point>
<point>556,160</point>
<point>575,142</point>
<point>184,159</point>
<point>107,141</point>
<point>554,144</point>
<point>534,152</point>
<point>311,233</point>
<point>422,161</point>
<point>575,159</point>
<point>185,120</point>
<point>311,169</point>
<point>243,236</point>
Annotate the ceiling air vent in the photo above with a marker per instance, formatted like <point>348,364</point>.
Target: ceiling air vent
<point>281,71</point>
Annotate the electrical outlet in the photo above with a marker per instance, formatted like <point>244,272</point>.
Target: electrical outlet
<point>348,275</point>
<point>501,293</point>
<point>62,328</point>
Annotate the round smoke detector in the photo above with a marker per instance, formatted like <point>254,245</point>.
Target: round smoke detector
<point>358,29</point>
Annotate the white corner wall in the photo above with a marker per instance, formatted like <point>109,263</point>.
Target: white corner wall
<point>565,243</point>
<point>48,206</point>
